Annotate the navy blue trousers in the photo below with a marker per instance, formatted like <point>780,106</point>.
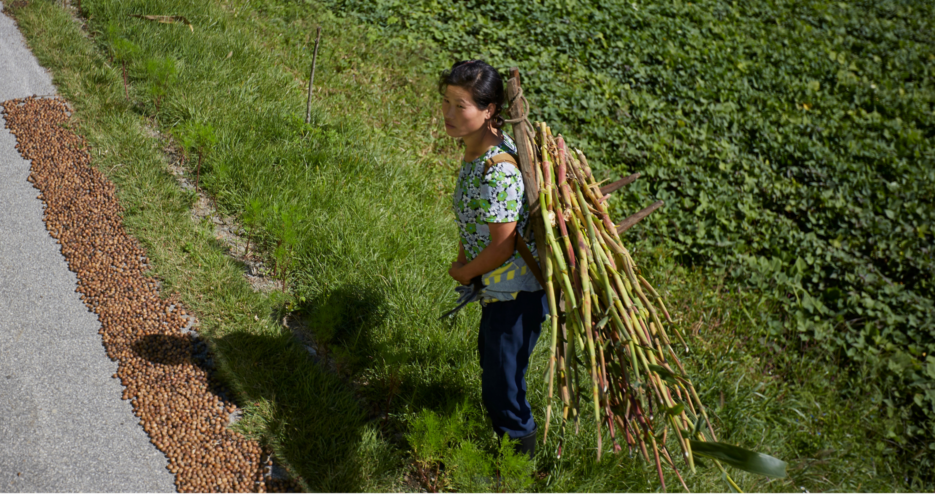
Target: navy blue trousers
<point>508,334</point>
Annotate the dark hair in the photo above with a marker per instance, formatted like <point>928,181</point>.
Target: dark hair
<point>479,78</point>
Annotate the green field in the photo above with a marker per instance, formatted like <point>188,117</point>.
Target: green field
<point>793,144</point>
<point>792,178</point>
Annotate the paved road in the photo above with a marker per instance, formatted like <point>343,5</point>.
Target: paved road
<point>63,426</point>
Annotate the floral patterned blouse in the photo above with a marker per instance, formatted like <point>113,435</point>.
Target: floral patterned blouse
<point>499,196</point>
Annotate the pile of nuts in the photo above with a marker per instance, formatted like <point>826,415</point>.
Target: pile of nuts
<point>171,391</point>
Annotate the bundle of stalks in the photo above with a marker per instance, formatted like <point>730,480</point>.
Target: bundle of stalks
<point>607,318</point>
<point>611,318</point>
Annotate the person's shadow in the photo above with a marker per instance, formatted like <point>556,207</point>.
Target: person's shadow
<point>321,418</point>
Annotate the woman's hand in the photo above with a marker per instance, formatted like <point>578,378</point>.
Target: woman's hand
<point>456,271</point>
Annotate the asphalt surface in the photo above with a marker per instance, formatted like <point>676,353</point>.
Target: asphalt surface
<point>63,425</point>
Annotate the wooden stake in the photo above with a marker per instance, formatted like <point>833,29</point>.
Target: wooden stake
<point>610,188</point>
<point>633,219</point>
<point>311,80</point>
<point>526,163</point>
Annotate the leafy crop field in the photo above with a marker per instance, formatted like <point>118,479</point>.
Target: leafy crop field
<point>352,210</point>
<point>793,143</point>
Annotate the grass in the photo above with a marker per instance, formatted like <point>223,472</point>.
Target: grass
<point>367,184</point>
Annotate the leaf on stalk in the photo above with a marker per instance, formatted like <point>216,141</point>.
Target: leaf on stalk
<point>746,460</point>
<point>603,321</point>
<point>700,424</point>
<point>665,373</point>
<point>675,410</point>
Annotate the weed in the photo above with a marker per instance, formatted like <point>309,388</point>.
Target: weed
<point>199,137</point>
<point>253,216</point>
<point>162,73</point>
<point>444,460</point>
<point>122,51</point>
<point>282,226</point>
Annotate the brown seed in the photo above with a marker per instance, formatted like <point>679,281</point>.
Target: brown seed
<point>172,401</point>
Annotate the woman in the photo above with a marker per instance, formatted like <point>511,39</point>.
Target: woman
<point>491,210</point>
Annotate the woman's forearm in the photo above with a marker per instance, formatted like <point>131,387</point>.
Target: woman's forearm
<point>462,258</point>
<point>489,259</point>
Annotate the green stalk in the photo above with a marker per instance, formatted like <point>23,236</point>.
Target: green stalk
<point>562,182</point>
<point>553,314</point>
<point>617,248</point>
<point>578,329</point>
<point>665,400</point>
<point>589,335</point>
<point>652,439</point>
<point>611,296</point>
<point>571,328</point>
<point>545,201</point>
<point>563,389</point>
<point>595,202</point>
<point>587,171</point>
<point>595,246</point>
<point>655,295</point>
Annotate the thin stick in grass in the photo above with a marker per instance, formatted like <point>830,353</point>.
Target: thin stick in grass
<point>311,80</point>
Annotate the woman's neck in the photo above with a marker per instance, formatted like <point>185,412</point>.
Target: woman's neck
<point>477,143</point>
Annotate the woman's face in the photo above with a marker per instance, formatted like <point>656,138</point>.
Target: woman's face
<point>462,116</point>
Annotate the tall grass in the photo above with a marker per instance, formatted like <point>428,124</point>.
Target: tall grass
<point>368,184</point>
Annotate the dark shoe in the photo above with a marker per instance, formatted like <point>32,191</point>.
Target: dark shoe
<point>526,445</point>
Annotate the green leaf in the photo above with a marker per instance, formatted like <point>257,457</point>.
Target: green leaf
<point>665,373</point>
<point>743,459</point>
<point>675,410</point>
<point>603,321</point>
<point>700,424</point>
<point>800,266</point>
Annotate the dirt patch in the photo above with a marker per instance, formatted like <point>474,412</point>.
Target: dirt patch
<point>226,228</point>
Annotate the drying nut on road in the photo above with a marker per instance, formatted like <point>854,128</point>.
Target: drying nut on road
<point>171,392</point>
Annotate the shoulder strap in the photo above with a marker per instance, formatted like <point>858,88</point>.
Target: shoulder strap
<point>531,263</point>
<point>500,158</point>
<point>521,246</point>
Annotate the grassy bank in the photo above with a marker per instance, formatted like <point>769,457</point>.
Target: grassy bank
<point>792,142</point>
<point>354,207</point>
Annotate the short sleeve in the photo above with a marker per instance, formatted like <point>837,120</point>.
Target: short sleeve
<point>501,195</point>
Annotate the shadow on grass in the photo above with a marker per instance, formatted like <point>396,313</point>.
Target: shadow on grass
<point>313,417</point>
<point>345,320</point>
<point>404,371</point>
